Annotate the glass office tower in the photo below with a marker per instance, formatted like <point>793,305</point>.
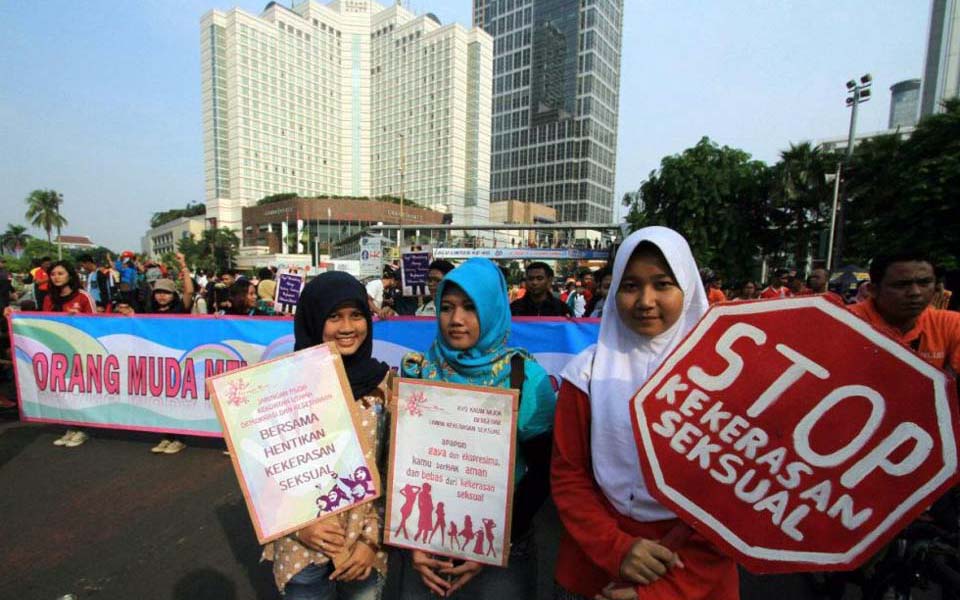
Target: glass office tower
<point>556,93</point>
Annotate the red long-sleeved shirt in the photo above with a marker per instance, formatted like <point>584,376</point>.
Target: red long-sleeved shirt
<point>597,537</point>
<point>79,302</point>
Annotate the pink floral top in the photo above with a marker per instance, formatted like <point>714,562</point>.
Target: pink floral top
<point>363,523</point>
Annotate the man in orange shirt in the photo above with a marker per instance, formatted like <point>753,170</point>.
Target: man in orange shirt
<point>715,293</point>
<point>902,288</point>
<point>817,284</point>
<point>778,286</point>
<point>41,279</point>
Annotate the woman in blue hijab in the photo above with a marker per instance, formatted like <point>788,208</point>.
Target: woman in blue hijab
<point>473,322</point>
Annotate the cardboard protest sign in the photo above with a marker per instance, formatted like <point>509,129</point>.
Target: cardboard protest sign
<point>371,257</point>
<point>794,436</point>
<point>289,285</point>
<point>414,267</point>
<point>291,426</point>
<point>450,487</point>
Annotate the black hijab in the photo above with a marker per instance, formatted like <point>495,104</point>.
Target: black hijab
<point>321,297</point>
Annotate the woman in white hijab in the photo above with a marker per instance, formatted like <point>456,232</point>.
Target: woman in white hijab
<point>617,543</point>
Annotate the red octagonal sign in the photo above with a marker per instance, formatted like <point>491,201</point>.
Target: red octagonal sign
<point>794,435</point>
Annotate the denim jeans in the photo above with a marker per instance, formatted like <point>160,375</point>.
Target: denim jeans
<point>313,583</point>
<point>518,580</point>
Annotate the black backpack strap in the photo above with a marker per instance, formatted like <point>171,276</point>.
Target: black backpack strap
<point>517,375</point>
<point>533,490</point>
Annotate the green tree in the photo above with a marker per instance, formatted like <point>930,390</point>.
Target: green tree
<point>43,211</point>
<point>277,198</point>
<point>718,198</point>
<point>407,202</point>
<point>36,249</point>
<point>802,200</point>
<point>904,192</point>
<point>216,249</point>
<point>14,239</point>
<point>191,210</point>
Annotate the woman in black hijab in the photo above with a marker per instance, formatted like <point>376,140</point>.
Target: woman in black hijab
<point>342,552</point>
<point>319,320</point>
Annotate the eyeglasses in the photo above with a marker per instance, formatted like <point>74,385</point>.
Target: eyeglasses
<point>434,279</point>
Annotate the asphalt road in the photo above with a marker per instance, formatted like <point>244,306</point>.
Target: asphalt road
<point>110,520</point>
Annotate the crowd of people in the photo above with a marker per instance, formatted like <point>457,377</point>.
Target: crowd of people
<point>575,443</point>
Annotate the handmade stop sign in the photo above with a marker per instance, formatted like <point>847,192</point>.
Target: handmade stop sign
<point>795,436</point>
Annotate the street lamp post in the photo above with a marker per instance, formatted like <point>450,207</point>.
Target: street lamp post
<point>857,94</point>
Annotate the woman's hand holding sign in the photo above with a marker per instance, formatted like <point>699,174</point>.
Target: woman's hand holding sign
<point>647,561</point>
<point>463,573</point>
<point>358,566</point>
<point>326,536</point>
<point>428,566</point>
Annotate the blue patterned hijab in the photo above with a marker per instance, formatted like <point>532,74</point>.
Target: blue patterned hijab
<point>488,362</point>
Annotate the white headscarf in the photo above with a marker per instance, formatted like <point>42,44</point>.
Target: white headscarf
<point>612,371</point>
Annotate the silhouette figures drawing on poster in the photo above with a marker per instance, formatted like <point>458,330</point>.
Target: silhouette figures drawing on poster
<point>453,536</point>
<point>441,524</point>
<point>409,493</point>
<point>488,525</point>
<point>425,508</point>
<point>466,532</point>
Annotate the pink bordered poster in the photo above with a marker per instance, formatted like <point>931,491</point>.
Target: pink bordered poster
<point>450,487</point>
<point>291,427</point>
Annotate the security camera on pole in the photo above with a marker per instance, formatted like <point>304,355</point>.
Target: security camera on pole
<point>857,93</point>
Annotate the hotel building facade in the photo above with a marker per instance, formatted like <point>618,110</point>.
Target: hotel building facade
<point>351,98</point>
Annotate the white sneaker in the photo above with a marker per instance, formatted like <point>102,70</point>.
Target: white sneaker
<point>161,447</point>
<point>63,439</point>
<point>174,447</point>
<point>76,439</point>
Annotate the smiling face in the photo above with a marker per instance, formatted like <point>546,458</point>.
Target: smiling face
<point>346,327</point>
<point>649,300</point>
<point>459,323</point>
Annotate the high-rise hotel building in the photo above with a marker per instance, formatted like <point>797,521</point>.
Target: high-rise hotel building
<point>350,98</point>
<point>555,101</point>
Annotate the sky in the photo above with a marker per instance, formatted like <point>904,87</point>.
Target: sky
<point>101,100</point>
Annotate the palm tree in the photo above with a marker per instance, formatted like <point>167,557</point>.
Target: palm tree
<point>43,211</point>
<point>802,196</point>
<point>14,238</point>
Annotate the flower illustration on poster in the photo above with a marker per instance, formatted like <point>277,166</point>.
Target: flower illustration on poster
<point>239,391</point>
<point>415,403</point>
